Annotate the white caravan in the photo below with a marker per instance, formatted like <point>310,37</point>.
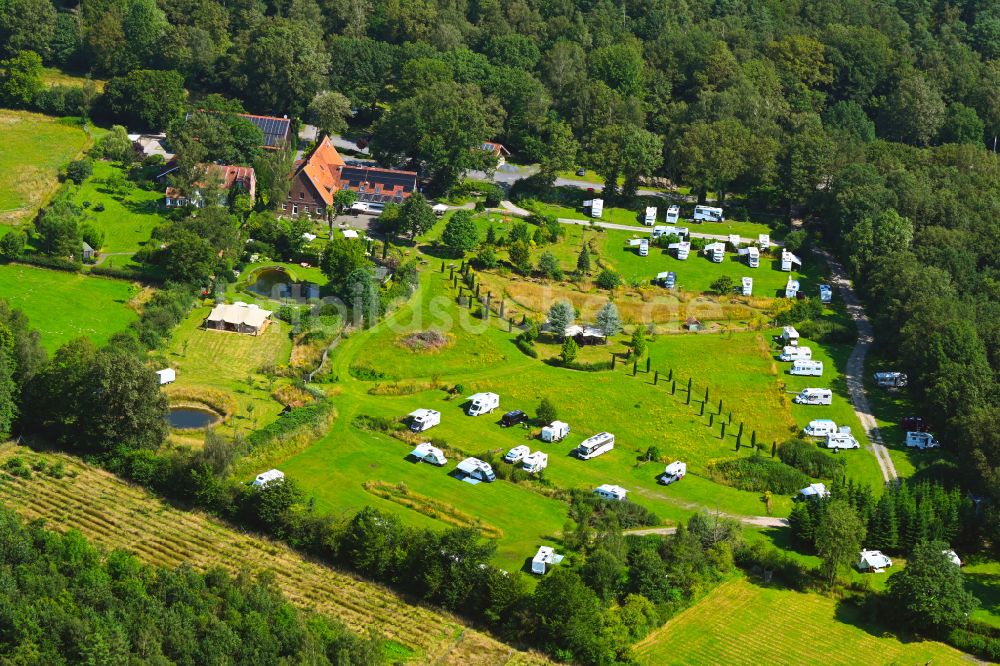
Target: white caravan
<point>555,431</point>
<point>820,428</point>
<point>595,445</point>
<point>596,207</point>
<point>789,260</point>
<point>842,440</point>
<point>747,286</point>
<point>753,256</point>
<point>807,368</point>
<point>517,454</point>
<point>814,396</point>
<point>764,240</point>
<point>543,558</point>
<point>673,214</point>
<point>661,230</point>
<point>474,468</point>
<point>795,354</point>
<point>708,214</point>
<point>921,440</point>
<point>825,293</point>
<point>716,251</point>
<point>675,471</point>
<point>482,403</point>
<point>792,288</point>
<point>666,279</point>
<point>650,218</point>
<point>535,462</point>
<point>429,454</point>
<point>267,478</point>
<point>611,492</point>
<point>734,240</point>
<point>644,247</point>
<point>683,249</point>
<point>423,419</point>
<point>789,336</point>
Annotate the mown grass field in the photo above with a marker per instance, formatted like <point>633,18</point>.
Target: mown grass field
<point>33,150</point>
<point>64,306</point>
<point>115,514</point>
<point>743,623</point>
<point>53,76</point>
<point>127,221</point>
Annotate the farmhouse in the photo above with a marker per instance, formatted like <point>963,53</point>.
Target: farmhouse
<point>317,178</point>
<point>238,317</point>
<point>543,558</point>
<point>220,180</point>
<point>873,560</point>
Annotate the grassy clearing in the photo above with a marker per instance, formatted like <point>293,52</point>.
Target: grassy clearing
<point>33,150</point>
<point>983,579</point>
<point>114,514</point>
<point>726,627</point>
<point>127,221</point>
<point>53,76</point>
<point>64,306</point>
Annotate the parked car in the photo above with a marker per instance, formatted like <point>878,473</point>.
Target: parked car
<point>581,172</point>
<point>512,418</point>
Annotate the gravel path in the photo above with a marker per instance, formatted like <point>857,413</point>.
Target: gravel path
<point>753,521</point>
<point>854,375</point>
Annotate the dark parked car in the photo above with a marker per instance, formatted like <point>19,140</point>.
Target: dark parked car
<point>513,418</point>
<point>913,424</point>
<point>581,172</point>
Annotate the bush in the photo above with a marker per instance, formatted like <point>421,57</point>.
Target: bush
<point>806,309</point>
<point>722,285</point>
<point>609,279</point>
<point>757,474</point>
<point>806,457</point>
<point>526,346</point>
<point>79,170</point>
<point>487,257</point>
<point>55,263</point>
<point>493,194</point>
<point>12,245</point>
<point>365,372</point>
<point>826,331</point>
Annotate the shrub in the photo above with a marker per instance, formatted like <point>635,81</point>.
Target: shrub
<point>79,170</point>
<point>722,285</point>
<point>757,474</point>
<point>365,372</point>
<point>493,194</point>
<point>806,309</point>
<point>826,331</point>
<point>546,412</point>
<point>12,245</point>
<point>487,257</point>
<point>526,346</point>
<point>17,467</point>
<point>609,279</point>
<point>806,457</point>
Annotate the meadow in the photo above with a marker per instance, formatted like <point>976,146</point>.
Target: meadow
<point>115,514</point>
<point>127,221</point>
<point>728,626</point>
<point>64,306</point>
<point>33,150</point>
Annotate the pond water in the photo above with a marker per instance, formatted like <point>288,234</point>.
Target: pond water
<point>192,417</point>
<point>272,283</point>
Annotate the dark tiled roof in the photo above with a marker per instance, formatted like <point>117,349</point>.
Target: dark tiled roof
<point>371,176</point>
<point>275,129</point>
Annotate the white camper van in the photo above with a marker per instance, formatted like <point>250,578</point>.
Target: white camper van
<point>542,559</point>
<point>921,440</point>
<point>673,214</point>
<point>644,248</point>
<point>734,240</point>
<point>708,214</point>
<point>675,471</point>
<point>716,251</point>
<point>820,428</point>
<point>423,419</point>
<point>266,478</point>
<point>753,256</point>
<point>595,445</point>
<point>429,454</point>
<point>610,492</point>
<point>795,354</point>
<point>842,440</point>
<point>683,249</point>
<point>517,454</point>
<point>789,260</point>
<point>535,462</point>
<point>792,288</point>
<point>476,469</point>
<point>814,396</point>
<point>764,241</point>
<point>807,368</point>
<point>596,207</point>
<point>650,218</point>
<point>659,230</point>
<point>747,286</point>
<point>482,403</point>
<point>825,293</point>
<point>789,336</point>
<point>555,431</point>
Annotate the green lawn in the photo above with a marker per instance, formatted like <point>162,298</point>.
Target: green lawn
<point>127,221</point>
<point>33,150</point>
<point>53,76</point>
<point>744,623</point>
<point>983,579</point>
<point>64,306</point>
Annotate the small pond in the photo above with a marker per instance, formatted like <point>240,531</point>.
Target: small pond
<point>272,283</point>
<point>190,417</point>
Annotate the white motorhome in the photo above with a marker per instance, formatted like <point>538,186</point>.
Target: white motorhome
<point>789,336</point>
<point>555,431</point>
<point>595,445</point>
<point>683,249</point>
<point>429,453</point>
<point>611,492</point>
<point>716,251</point>
<point>542,559</point>
<point>792,288</point>
<point>814,396</point>
<point>708,214</point>
<point>266,478</point>
<point>476,469</point>
<point>661,230</point>
<point>673,213</point>
<point>517,454</point>
<point>789,260</point>
<point>423,419</point>
<point>675,471</point>
<point>891,379</point>
<point>795,354</point>
<point>807,368</point>
<point>482,403</point>
<point>921,440</point>
<point>644,248</point>
<point>820,428</point>
<point>667,279</point>
<point>825,293</point>
<point>873,560</point>
<point>764,241</point>
<point>842,440</point>
<point>535,462</point>
<point>747,286</point>
<point>650,218</point>
<point>596,207</point>
<point>753,256</point>
<point>734,240</point>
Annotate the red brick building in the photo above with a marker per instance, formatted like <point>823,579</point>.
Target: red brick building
<point>318,177</point>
